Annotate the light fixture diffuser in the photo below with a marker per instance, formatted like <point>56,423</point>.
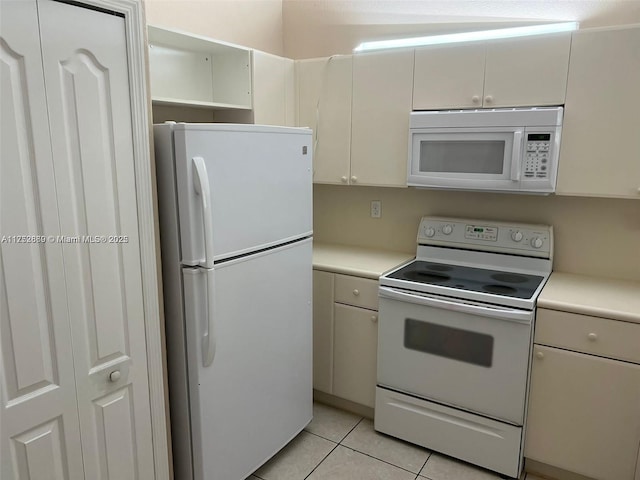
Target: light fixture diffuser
<point>468,36</point>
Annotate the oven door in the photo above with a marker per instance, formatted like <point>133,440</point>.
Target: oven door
<point>463,354</point>
<point>466,158</point>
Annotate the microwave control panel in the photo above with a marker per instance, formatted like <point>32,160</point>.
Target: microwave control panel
<point>537,155</point>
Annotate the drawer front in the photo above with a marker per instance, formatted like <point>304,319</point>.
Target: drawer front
<point>594,335</point>
<point>360,292</point>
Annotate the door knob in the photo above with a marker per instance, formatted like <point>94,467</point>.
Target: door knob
<point>539,355</point>
<point>592,336</point>
<point>114,376</point>
<point>356,292</point>
<point>354,179</point>
<point>488,99</point>
<point>475,99</point>
<point>343,179</point>
<point>374,318</point>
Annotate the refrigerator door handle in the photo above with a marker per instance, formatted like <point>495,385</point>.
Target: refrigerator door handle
<point>209,337</point>
<point>201,186</point>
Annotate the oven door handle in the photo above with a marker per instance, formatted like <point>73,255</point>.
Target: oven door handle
<point>512,315</point>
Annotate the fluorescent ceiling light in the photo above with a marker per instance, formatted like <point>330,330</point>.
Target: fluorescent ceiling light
<point>468,36</point>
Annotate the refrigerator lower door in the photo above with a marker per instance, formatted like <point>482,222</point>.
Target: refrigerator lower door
<point>256,395</point>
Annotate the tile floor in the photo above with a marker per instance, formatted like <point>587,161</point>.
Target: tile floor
<point>339,445</point>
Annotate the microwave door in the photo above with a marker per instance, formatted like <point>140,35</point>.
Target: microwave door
<point>470,159</point>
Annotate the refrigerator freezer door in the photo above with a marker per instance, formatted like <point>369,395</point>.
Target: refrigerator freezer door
<point>257,394</point>
<point>260,181</point>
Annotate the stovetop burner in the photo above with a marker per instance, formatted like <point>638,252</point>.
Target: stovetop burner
<point>482,280</point>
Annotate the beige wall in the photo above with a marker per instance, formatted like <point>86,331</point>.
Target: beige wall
<point>593,236</point>
<point>250,23</point>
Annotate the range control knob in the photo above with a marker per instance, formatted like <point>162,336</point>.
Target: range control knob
<point>429,232</point>
<point>536,242</point>
<point>447,229</point>
<point>516,236</point>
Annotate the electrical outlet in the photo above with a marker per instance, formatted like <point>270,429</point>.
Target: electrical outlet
<point>376,208</point>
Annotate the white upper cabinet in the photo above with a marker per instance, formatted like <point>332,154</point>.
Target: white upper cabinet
<point>600,151</point>
<point>195,71</point>
<point>518,72</point>
<point>382,95</point>
<point>449,76</point>
<point>528,71</point>
<point>273,89</point>
<point>324,104</point>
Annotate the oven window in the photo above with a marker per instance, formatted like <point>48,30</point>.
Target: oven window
<point>454,343</point>
<point>462,156</point>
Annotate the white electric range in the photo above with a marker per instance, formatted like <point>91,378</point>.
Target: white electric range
<point>455,338</point>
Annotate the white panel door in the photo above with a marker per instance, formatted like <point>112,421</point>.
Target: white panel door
<point>89,108</point>
<point>39,428</point>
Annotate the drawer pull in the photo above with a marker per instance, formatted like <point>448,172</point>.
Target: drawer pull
<point>356,292</point>
<point>539,355</point>
<point>374,318</point>
<point>592,336</point>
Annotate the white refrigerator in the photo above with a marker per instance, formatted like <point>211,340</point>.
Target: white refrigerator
<point>235,209</point>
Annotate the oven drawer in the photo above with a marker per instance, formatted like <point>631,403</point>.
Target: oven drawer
<point>478,440</point>
<point>360,292</point>
<point>594,335</point>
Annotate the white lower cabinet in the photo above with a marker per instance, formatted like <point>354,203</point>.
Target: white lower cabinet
<point>355,353</point>
<point>584,410</point>
<point>345,328</point>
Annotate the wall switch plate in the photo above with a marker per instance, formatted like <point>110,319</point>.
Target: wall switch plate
<point>376,208</point>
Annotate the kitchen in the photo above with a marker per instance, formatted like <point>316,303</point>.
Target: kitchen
<point>595,234</point>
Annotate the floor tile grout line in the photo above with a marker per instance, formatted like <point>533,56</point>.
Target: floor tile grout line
<point>379,459</point>
<point>323,459</point>
<point>352,429</point>
<point>336,446</point>
<point>320,436</point>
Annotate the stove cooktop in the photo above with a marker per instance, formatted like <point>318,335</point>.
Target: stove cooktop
<point>495,282</point>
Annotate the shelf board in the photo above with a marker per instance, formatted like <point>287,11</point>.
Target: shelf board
<point>197,104</point>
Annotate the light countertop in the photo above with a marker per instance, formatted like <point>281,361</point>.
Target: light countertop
<point>358,261</point>
<point>601,297</point>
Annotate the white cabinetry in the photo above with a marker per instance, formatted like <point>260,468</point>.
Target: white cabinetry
<point>600,149</point>
<point>584,413</point>
<point>345,336</point>
<point>273,89</point>
<point>382,89</point>
<point>515,72</point>
<point>79,300</point>
<point>195,71</point>
<point>324,104</point>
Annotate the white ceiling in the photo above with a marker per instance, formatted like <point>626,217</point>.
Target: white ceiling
<point>455,11</point>
<point>325,27</point>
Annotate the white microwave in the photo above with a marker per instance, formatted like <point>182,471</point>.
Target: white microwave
<point>500,150</point>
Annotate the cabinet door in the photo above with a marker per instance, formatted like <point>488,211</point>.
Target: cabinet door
<point>600,141</point>
<point>273,101</point>
<point>355,344</point>
<point>324,89</point>
<point>382,98</point>
<point>584,414</point>
<point>323,331</point>
<point>39,426</point>
<point>528,71</point>
<point>89,110</point>
<point>449,76</point>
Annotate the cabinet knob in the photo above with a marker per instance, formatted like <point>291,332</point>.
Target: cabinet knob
<point>344,179</point>
<point>475,99</point>
<point>592,336</point>
<point>488,99</point>
<point>539,355</point>
<point>374,318</point>
<point>114,376</point>
<point>354,179</point>
<point>356,292</point>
